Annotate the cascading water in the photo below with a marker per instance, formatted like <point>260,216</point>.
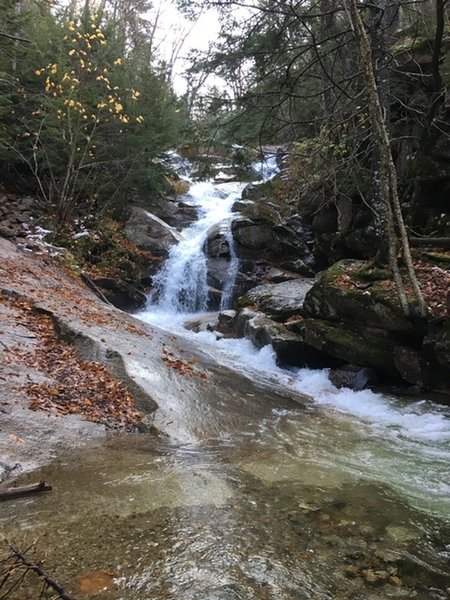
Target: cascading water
<point>267,167</point>
<point>181,285</point>
<point>391,425</point>
<point>233,269</point>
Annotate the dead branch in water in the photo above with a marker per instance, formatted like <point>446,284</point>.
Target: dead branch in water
<point>16,492</point>
<point>49,581</point>
<point>15,566</point>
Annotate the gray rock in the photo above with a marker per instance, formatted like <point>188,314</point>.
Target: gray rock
<point>278,300</point>
<point>274,275</point>
<point>241,320</point>
<point>150,232</point>
<point>226,321</point>
<point>436,352</point>
<point>121,294</point>
<point>216,244</point>
<point>289,347</point>
<point>251,235</point>
<point>206,322</point>
<point>353,377</point>
<point>411,365</point>
<point>214,298</point>
<point>217,271</point>
<point>352,344</point>
<point>299,266</point>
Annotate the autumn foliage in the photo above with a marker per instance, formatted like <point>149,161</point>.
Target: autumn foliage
<point>72,385</point>
<point>83,119</point>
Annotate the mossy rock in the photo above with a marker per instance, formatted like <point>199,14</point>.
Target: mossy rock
<point>441,259</point>
<point>372,272</point>
<point>361,346</point>
<point>339,295</point>
<point>278,301</point>
<point>264,211</point>
<point>262,191</point>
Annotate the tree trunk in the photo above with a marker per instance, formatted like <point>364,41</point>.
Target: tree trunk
<point>388,191</point>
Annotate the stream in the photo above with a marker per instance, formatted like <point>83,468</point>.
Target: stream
<point>265,484</point>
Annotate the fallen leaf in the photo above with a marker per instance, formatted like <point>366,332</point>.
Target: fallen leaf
<point>95,582</point>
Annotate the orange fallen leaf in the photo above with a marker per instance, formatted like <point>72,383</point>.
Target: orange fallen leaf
<point>96,582</point>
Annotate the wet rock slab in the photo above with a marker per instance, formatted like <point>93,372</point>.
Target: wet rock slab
<point>149,232</point>
<point>278,300</point>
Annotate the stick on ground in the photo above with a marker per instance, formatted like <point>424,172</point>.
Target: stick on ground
<point>16,492</point>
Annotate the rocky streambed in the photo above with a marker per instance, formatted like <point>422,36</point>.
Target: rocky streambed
<point>348,319</point>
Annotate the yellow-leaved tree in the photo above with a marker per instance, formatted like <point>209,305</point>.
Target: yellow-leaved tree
<point>83,109</point>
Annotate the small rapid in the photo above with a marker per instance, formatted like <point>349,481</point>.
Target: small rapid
<point>181,285</point>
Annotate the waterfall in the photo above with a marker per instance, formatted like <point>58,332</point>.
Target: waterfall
<point>181,285</point>
<point>267,166</point>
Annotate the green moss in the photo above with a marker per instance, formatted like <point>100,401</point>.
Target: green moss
<point>364,347</point>
<point>342,267</point>
<point>372,272</point>
<point>243,301</point>
<point>261,191</point>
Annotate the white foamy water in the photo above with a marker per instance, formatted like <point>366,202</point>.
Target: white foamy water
<point>267,167</point>
<point>181,285</point>
<point>402,443</point>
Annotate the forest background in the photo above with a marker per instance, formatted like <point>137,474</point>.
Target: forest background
<point>356,92</point>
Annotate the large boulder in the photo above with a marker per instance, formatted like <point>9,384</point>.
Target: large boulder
<point>232,323</point>
<point>278,300</point>
<point>121,294</point>
<point>217,240</point>
<point>267,211</point>
<point>150,232</point>
<point>356,345</point>
<point>436,350</point>
<point>348,292</point>
<point>274,240</point>
<point>353,377</point>
<point>412,366</point>
<point>206,322</point>
<point>250,235</point>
